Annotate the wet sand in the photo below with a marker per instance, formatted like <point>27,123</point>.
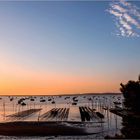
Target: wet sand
<point>42,128</point>
<point>35,118</point>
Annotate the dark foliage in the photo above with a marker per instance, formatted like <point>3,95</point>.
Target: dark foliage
<point>131,93</point>
<point>131,123</point>
<point>131,127</point>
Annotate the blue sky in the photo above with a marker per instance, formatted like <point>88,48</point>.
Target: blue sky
<point>69,39</point>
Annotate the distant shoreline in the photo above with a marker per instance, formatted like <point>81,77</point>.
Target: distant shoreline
<point>76,94</point>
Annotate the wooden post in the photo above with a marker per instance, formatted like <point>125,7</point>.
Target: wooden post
<point>38,116</point>
<point>92,104</point>
<point>108,118</point>
<point>116,122</point>
<point>4,110</point>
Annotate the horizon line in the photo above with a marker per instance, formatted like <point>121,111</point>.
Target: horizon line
<point>103,93</point>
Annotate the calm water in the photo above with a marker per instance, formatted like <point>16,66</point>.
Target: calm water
<point>112,123</point>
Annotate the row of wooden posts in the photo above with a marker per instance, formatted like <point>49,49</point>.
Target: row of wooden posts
<point>96,104</point>
<point>55,114</point>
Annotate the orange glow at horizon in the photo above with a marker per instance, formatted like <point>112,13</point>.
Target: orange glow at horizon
<point>55,48</point>
<point>17,80</point>
<point>46,85</point>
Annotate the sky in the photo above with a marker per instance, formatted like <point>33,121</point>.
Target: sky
<point>70,47</point>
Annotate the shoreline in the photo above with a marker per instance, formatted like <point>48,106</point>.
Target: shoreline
<point>28,128</point>
<point>76,94</point>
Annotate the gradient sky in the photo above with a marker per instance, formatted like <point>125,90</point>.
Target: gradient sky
<point>63,47</point>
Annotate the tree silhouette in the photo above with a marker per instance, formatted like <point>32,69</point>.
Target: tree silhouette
<point>131,123</point>
<point>131,93</point>
<point>139,79</point>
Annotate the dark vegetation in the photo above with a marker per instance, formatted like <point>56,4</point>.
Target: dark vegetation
<point>131,118</point>
<point>131,93</point>
<point>131,123</point>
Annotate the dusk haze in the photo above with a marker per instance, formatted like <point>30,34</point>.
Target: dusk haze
<point>69,70</point>
<point>49,48</point>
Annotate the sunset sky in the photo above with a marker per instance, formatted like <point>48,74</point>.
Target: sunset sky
<point>68,47</point>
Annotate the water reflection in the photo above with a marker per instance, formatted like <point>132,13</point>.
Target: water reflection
<point>101,103</point>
